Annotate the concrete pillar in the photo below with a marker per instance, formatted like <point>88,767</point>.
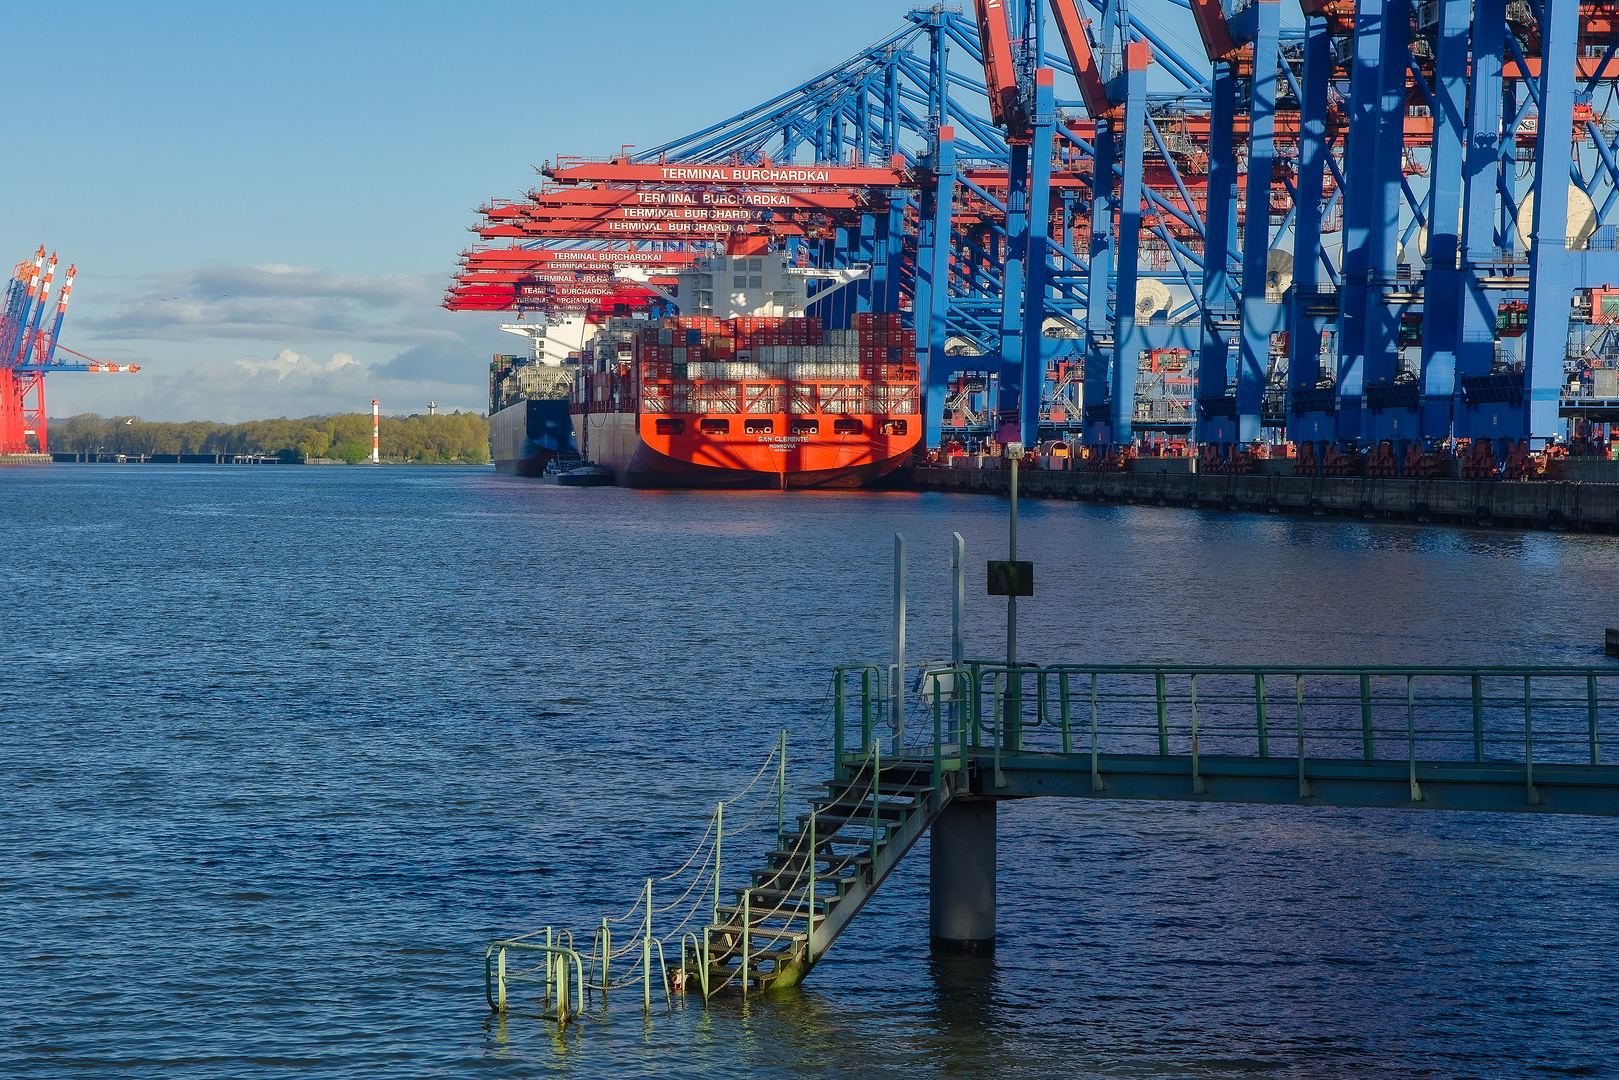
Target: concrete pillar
<point>961,895</point>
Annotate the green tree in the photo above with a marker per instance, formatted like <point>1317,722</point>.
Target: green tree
<point>353,451</point>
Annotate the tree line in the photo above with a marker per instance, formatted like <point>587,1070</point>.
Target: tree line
<point>452,437</point>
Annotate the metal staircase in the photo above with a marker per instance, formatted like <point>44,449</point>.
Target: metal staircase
<point>798,902</point>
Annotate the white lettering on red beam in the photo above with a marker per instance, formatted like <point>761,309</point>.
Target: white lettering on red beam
<point>565,255</point>
<point>775,176</point>
<point>656,213</point>
<point>653,226</point>
<point>715,198</point>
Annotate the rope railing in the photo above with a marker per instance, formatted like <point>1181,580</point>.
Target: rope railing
<point>751,918</point>
<point>706,866</point>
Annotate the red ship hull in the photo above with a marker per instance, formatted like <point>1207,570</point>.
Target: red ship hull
<point>640,456</point>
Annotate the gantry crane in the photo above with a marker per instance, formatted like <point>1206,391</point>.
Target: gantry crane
<point>1364,229</point>
<point>28,354</point>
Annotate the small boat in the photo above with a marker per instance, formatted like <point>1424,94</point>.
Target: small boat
<point>588,474</point>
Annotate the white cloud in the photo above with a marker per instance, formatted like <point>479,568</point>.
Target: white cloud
<point>264,302</point>
<point>235,343</point>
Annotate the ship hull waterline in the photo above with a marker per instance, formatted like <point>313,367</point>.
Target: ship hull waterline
<point>734,462</point>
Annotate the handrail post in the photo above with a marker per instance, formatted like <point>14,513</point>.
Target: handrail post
<point>1411,735</point>
<point>1478,718</point>
<point>1529,746</point>
<point>1013,716</point>
<point>1000,737</point>
<point>561,964</point>
<point>708,953</point>
<point>646,951</point>
<point>781,787</point>
<point>809,920</point>
<point>1197,779</point>
<point>719,842</point>
<point>1067,732</point>
<point>865,709</point>
<point>1304,784</point>
<point>1264,726</point>
<point>938,735</point>
<point>606,937</point>
<point>1591,715</point>
<point>1368,751</point>
<point>1163,717</point>
<point>876,783</point>
<point>1096,771</point>
<point>747,935</point>
<point>500,976</point>
<point>975,704</point>
<point>838,772</point>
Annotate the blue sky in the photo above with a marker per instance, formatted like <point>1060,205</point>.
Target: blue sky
<point>265,202</point>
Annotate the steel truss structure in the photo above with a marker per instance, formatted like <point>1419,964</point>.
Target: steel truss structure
<point>1056,212</point>
<point>28,353</point>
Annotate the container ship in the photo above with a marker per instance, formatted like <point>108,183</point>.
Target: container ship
<point>749,402</point>
<point>529,421</point>
<point>743,390</point>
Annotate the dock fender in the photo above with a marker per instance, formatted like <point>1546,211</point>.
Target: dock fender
<point>1482,515</point>
<point>1316,509</point>
<point>1271,505</point>
<point>1555,521</point>
<point>1159,498</point>
<point>1420,512</point>
<point>1368,510</point>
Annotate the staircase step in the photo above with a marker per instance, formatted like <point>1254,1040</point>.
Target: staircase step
<point>726,940</point>
<point>766,897</point>
<point>783,880</point>
<point>860,840</point>
<point>885,810</point>
<point>788,911</point>
<point>834,863</point>
<point>885,787</point>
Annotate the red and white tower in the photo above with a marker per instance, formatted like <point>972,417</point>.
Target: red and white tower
<point>376,441</point>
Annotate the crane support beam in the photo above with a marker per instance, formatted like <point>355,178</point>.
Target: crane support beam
<point>1000,75</point>
<point>1081,58</point>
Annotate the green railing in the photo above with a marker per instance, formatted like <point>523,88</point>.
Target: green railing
<point>1528,715</point>
<point>557,962</point>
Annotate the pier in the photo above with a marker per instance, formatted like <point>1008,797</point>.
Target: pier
<point>940,749</point>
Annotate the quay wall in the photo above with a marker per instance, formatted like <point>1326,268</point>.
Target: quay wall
<point>1556,505</point>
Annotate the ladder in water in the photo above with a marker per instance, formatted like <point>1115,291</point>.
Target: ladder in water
<point>797,905</point>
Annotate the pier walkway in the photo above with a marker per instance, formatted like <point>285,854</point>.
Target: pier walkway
<point>941,753</point>
<point>1515,739</point>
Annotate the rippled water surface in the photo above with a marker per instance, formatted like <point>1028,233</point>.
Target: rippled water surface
<point>283,748</point>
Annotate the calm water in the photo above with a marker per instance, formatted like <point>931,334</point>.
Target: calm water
<point>283,748</point>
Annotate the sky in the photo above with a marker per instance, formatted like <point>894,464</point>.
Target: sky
<point>266,202</point>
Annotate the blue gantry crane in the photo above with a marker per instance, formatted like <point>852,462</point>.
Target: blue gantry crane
<point>1350,227</point>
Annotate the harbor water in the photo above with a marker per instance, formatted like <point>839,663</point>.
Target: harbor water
<point>284,748</point>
